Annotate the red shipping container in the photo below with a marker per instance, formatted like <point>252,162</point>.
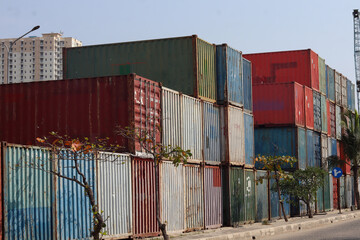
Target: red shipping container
<point>332,125</point>
<point>309,108</point>
<point>328,117</point>
<point>144,202</point>
<point>299,66</point>
<point>335,194</point>
<point>91,107</point>
<point>279,104</point>
<point>346,168</point>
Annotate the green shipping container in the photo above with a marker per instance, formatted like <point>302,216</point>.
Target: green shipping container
<point>328,187</point>
<point>250,204</point>
<point>237,206</point>
<point>185,64</point>
<point>322,76</point>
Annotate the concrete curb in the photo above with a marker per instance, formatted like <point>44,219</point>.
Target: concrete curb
<point>267,231</point>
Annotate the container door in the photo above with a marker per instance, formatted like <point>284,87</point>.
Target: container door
<point>237,196</point>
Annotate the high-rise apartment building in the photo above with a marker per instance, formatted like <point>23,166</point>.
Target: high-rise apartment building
<point>33,58</point>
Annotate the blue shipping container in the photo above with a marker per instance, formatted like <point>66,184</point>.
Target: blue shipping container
<point>281,141</point>
<point>28,193</point>
<point>249,138</point>
<point>317,149</point>
<point>211,115</point>
<point>274,199</point>
<point>317,111</point>
<point>229,75</point>
<point>310,148</point>
<point>333,146</point>
<point>73,207</point>
<point>262,197</point>
<point>349,96</point>
<point>247,83</point>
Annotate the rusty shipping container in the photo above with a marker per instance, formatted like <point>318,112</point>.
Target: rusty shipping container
<point>91,107</point>
<point>324,116</point>
<point>328,117</point>
<point>330,77</point>
<point>338,121</point>
<point>192,127</point>
<point>143,198</point>
<point>324,151</point>
<point>171,117</point>
<point>262,206</point>
<point>213,196</point>
<point>322,75</point>
<point>309,108</point>
<point>115,193</point>
<point>299,66</point>
<point>232,135</point>
<point>186,64</point>
<point>317,111</point>
<point>337,88</point>
<point>172,196</point>
<point>211,133</point>
<point>229,77</point>
<point>27,198</point>
<point>332,111</point>
<point>343,91</point>
<point>286,109</point>
<point>194,198</point>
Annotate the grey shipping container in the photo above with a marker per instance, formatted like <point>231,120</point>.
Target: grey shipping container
<point>337,88</point>
<point>324,117</point>
<point>317,111</point>
<point>332,110</point>
<point>317,149</point>
<point>186,64</point>
<point>262,206</point>
<point>343,91</point>
<point>211,129</point>
<point>322,76</point>
<point>338,122</point>
<point>330,83</point>
<point>229,77</point>
<point>213,196</point>
<point>249,139</point>
<point>324,151</point>
<point>172,196</point>
<point>247,84</point>
<point>282,141</point>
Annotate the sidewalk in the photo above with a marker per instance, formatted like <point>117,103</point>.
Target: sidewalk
<point>258,230</point>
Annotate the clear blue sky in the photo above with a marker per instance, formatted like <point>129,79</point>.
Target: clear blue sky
<point>250,26</point>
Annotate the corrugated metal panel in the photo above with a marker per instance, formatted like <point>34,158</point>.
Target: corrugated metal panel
<point>349,94</point>
<point>172,196</point>
<point>324,151</point>
<point>229,75</point>
<point>232,134</point>
<point>323,114</point>
<point>74,217</point>
<point>249,139</point>
<point>206,70</point>
<point>278,67</point>
<point>114,193</point>
<point>328,117</point>
<point>349,193</point>
<point>144,202</point>
<point>28,193</point>
<point>279,109</point>
<point>213,197</point>
<point>317,149</point>
<point>261,197</point>
<point>194,197</point>
<point>317,111</point>
<point>102,104</point>
<point>171,117</point>
<point>247,83</point>
<point>309,108</point>
<point>320,200</point>
<point>338,121</point>
<point>211,122</point>
<point>337,88</point>
<point>342,192</point>
<point>322,75</point>
<point>343,91</point>
<point>237,194</point>
<point>185,64</point>
<point>301,148</point>
<point>353,89</point>
<point>250,200</point>
<point>192,131</point>
<point>335,194</point>
<point>332,110</point>
<point>331,83</point>
<point>327,191</point>
<point>310,148</point>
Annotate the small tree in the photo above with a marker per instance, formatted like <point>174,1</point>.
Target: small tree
<point>274,164</point>
<point>157,151</point>
<point>304,185</point>
<point>79,149</point>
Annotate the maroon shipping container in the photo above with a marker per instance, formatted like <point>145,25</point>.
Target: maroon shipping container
<point>309,108</point>
<point>332,118</point>
<point>91,107</point>
<point>213,197</point>
<point>328,117</point>
<point>346,168</point>
<point>279,104</point>
<point>144,202</point>
<point>299,66</point>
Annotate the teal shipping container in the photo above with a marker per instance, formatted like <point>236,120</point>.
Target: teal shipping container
<point>324,116</point>
<point>322,76</point>
<point>330,74</point>
<point>317,111</point>
<point>247,84</point>
<point>281,141</point>
<point>229,77</point>
<point>350,95</point>
<point>310,149</point>
<point>185,64</point>
<point>28,195</point>
<point>249,139</point>
<point>262,206</point>
<point>328,193</point>
<point>274,200</point>
<point>320,200</point>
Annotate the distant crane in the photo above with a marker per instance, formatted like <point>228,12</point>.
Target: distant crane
<point>357,52</point>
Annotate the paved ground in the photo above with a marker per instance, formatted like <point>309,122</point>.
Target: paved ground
<point>279,227</point>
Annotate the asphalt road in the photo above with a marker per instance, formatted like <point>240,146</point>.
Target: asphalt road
<point>346,230</point>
